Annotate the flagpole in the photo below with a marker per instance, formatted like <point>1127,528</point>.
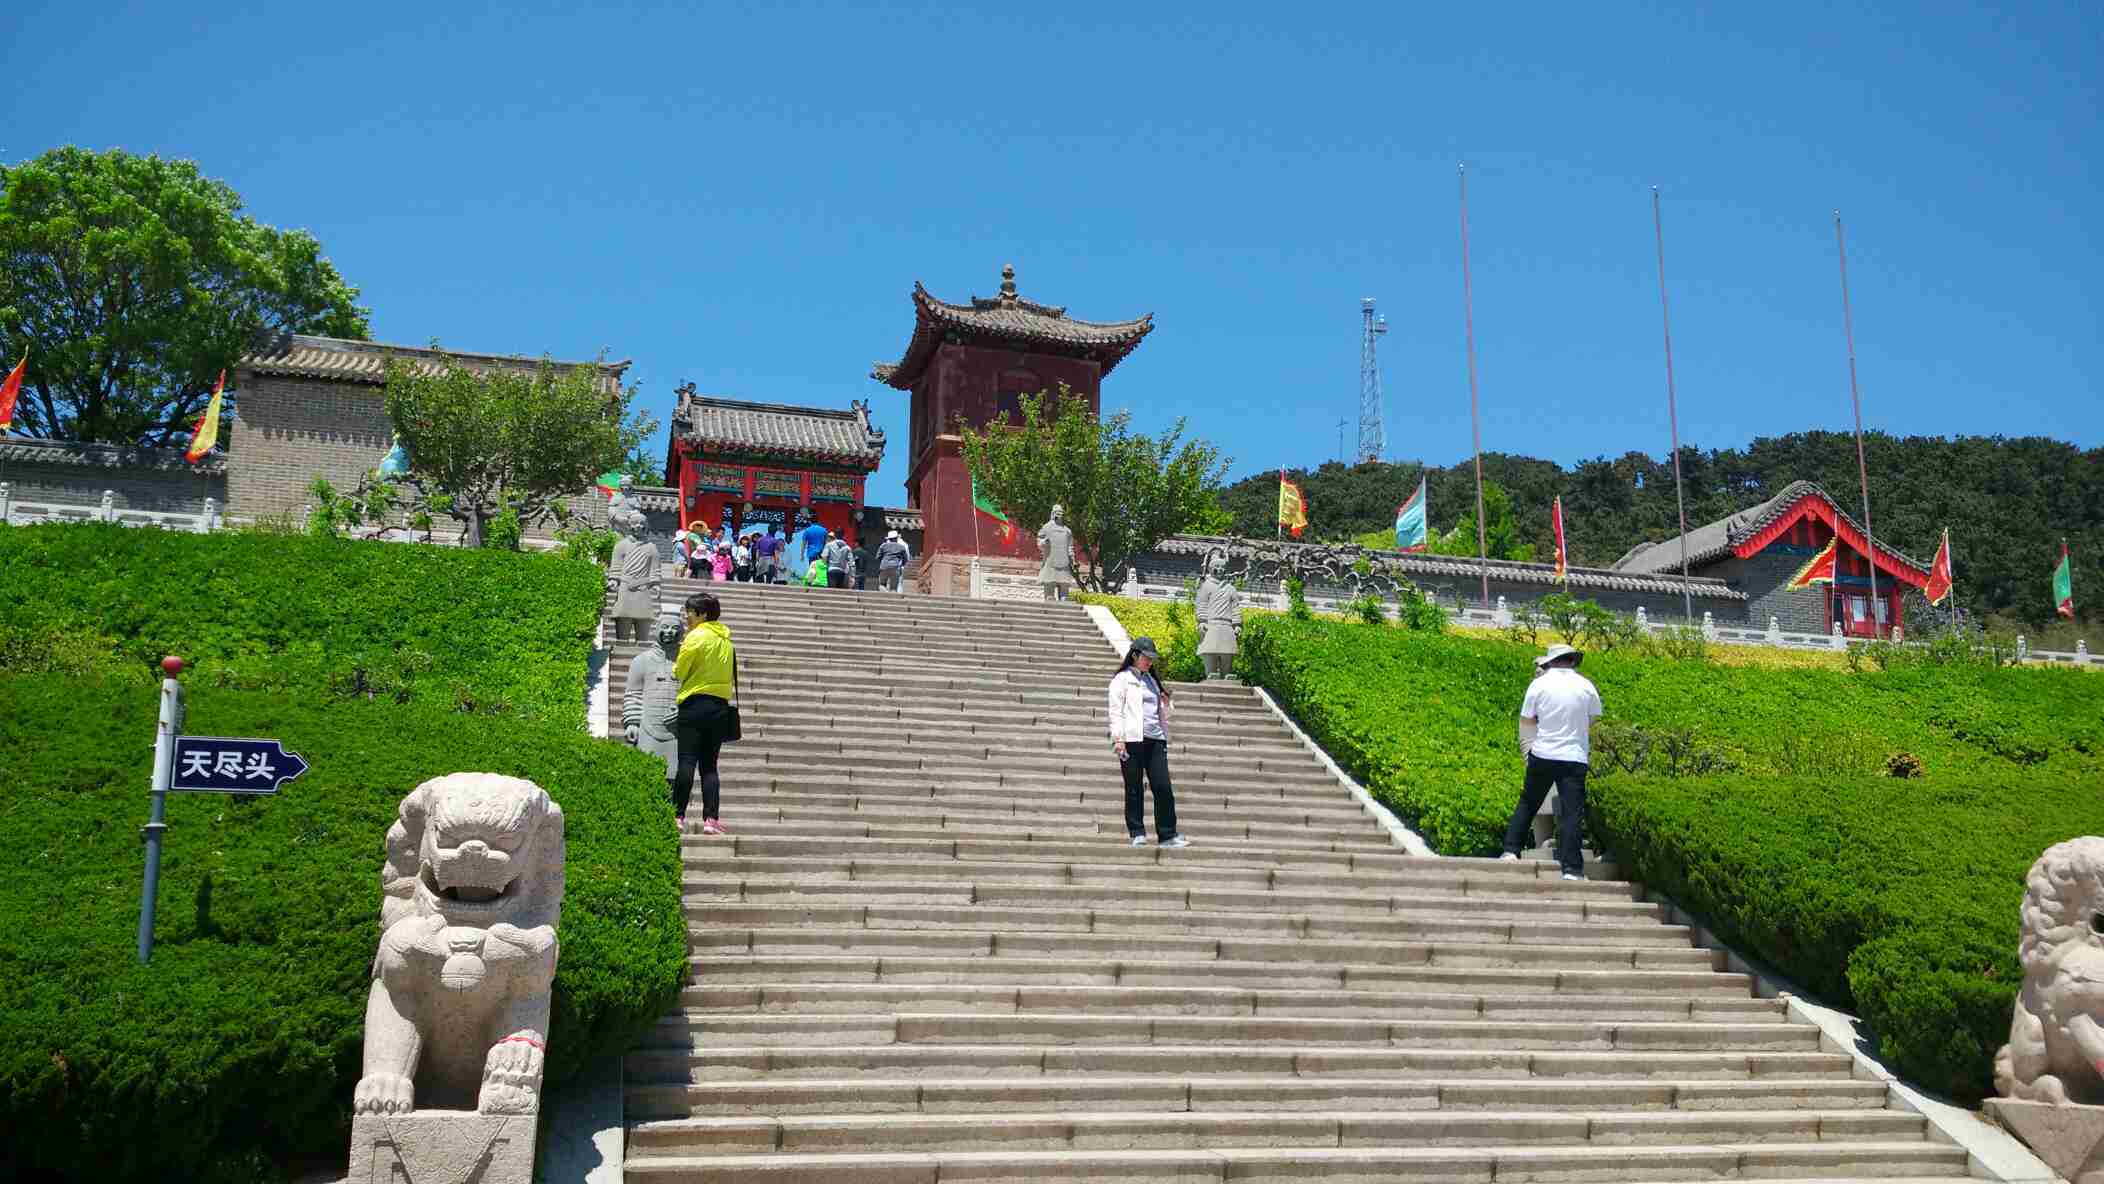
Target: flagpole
<point>1665,316</point>
<point>1475,418</point>
<point>1848,329</point>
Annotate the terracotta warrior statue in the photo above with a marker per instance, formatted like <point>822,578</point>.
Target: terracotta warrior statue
<point>1219,618</point>
<point>636,576</point>
<point>651,698</point>
<point>1056,541</point>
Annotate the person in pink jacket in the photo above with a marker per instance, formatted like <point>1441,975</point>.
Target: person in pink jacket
<point>720,565</point>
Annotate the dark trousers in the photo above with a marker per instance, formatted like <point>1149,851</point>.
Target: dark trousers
<point>1567,778</point>
<point>1149,759</point>
<point>699,729</point>
<point>836,579</point>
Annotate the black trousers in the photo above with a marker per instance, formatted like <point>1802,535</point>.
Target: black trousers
<point>836,579</point>
<point>1567,778</point>
<point>1149,759</point>
<point>699,729</point>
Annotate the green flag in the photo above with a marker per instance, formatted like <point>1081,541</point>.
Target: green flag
<point>2064,585</point>
<point>985,505</point>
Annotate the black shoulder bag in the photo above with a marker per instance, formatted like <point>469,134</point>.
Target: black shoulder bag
<point>733,727</point>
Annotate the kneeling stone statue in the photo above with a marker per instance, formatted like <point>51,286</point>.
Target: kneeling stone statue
<point>456,1022</point>
<point>2051,1073</point>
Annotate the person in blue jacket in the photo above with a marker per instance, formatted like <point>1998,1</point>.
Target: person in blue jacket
<point>813,538</point>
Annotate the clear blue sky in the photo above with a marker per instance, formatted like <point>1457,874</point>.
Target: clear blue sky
<point>743,196</point>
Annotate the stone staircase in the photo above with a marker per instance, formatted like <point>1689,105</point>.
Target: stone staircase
<point>927,954</point>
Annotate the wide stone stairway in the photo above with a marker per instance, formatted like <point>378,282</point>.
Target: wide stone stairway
<point>926,953</point>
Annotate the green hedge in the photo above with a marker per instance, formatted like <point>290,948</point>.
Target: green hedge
<point>1171,623</point>
<point>240,1042</point>
<point>1895,896</point>
<point>486,631</point>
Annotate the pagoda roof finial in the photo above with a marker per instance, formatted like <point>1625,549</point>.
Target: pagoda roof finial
<point>1008,281</point>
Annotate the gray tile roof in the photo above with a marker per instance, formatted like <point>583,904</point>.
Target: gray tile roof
<point>1714,540</point>
<point>777,429</point>
<point>1008,319</point>
<point>300,355</point>
<point>1454,567</point>
<point>109,456</point>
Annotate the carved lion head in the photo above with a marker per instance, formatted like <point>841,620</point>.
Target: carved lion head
<point>2063,901</point>
<point>476,849</point>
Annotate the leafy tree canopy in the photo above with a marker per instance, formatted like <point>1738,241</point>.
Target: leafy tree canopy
<point>1501,534</point>
<point>132,281</point>
<point>505,443</point>
<point>1123,492</point>
<point>2008,501</point>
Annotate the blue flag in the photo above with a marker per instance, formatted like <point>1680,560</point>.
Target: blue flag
<point>1410,521</point>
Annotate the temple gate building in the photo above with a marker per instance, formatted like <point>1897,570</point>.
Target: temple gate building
<point>974,362</point>
<point>738,464</point>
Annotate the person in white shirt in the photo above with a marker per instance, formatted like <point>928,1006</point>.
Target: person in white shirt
<point>1139,734</point>
<point>1556,733</point>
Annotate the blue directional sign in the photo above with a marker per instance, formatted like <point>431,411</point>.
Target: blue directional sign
<point>232,764</point>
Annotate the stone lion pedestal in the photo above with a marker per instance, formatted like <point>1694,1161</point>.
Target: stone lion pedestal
<point>456,1021</point>
<point>2051,1073</point>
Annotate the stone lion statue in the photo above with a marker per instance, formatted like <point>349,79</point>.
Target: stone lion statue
<point>457,1018</point>
<point>2056,1046</point>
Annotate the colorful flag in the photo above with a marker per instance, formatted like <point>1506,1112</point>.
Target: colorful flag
<point>1819,569</point>
<point>609,483</point>
<point>1292,506</point>
<point>10,390</point>
<point>1938,588</point>
<point>396,463</point>
<point>1410,521</point>
<point>1562,557</point>
<point>985,505</point>
<point>206,433</point>
<point>2064,585</point>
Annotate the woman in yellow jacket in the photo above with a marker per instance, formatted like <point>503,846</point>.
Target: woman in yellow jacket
<point>707,670</point>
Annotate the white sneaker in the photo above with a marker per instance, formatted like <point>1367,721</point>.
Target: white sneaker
<point>1572,876</point>
<point>1176,842</point>
<point>1508,857</point>
<point>1139,840</point>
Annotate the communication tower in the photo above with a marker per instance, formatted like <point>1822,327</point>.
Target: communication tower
<point>1372,440</point>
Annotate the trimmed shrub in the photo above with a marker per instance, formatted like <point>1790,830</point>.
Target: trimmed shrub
<point>484,631</point>
<point>239,1044</point>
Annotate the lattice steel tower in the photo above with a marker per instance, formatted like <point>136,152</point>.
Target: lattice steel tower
<point>1372,440</point>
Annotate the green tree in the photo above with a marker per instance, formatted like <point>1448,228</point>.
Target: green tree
<point>1123,492</point>
<point>1501,538</point>
<point>132,281</point>
<point>488,444</point>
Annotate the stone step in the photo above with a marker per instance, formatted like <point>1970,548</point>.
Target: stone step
<point>1138,1126</point>
<point>1256,800</point>
<point>1815,1163</point>
<point>891,1061</point>
<point>1170,1094</point>
<point>1244,855</point>
<point>1077,710</point>
<point>1700,985</point>
<point>735,884</point>
<point>719,940</point>
<point>1015,919</point>
<point>1108,829</point>
<point>864,998</point>
<point>831,813</point>
<point>1055,805</point>
<point>977,759</point>
<point>847,731</point>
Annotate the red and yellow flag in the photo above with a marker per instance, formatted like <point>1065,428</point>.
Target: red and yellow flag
<point>10,391</point>
<point>206,433</point>
<point>1563,573</point>
<point>1292,506</point>
<point>1819,569</point>
<point>1938,588</point>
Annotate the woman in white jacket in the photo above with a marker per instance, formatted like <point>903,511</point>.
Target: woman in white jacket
<point>1139,734</point>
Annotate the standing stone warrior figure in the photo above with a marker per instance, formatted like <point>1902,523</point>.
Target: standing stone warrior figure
<point>457,1018</point>
<point>2055,1052</point>
<point>635,576</point>
<point>1056,540</point>
<point>651,698</point>
<point>1219,618</point>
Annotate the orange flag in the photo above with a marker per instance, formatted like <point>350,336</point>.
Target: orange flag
<point>10,391</point>
<point>207,431</point>
<point>1939,586</point>
<point>1292,506</point>
<point>1563,572</point>
<point>1817,570</point>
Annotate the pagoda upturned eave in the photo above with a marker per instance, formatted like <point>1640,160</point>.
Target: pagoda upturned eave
<point>1009,321</point>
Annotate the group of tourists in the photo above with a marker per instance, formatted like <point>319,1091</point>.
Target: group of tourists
<point>814,556</point>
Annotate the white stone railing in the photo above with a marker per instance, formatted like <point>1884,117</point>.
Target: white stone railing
<point>17,512</point>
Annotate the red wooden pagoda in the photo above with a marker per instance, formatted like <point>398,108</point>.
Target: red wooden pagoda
<point>975,361</point>
<point>739,464</point>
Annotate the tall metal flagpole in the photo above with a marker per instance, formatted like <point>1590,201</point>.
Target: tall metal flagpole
<point>1665,314</point>
<point>1475,419</point>
<point>1848,329</point>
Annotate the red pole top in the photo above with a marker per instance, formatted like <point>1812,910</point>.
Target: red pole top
<point>172,665</point>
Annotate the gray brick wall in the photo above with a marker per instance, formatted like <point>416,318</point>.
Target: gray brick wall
<point>160,490</point>
<point>1762,578</point>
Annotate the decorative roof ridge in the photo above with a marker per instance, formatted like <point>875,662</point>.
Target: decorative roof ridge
<point>1525,571</point>
<point>923,297</point>
<point>281,342</point>
<point>849,412</point>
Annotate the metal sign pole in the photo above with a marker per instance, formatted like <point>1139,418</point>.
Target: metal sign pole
<point>165,733</point>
